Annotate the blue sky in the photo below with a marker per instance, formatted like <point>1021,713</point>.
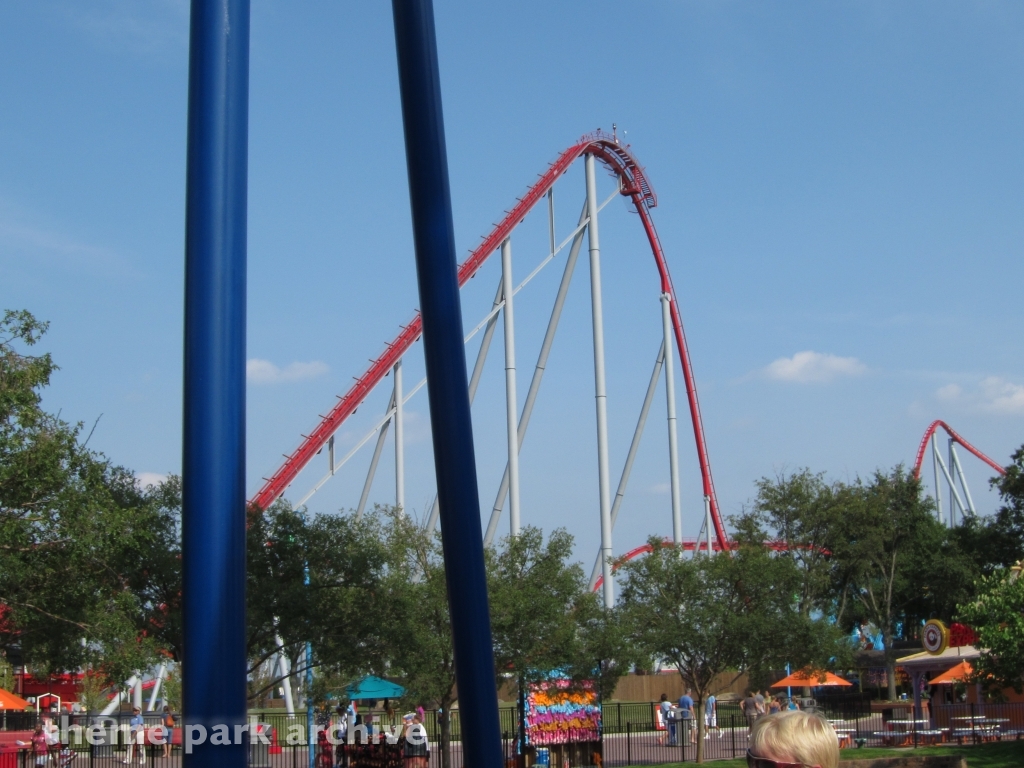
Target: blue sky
<point>840,199</point>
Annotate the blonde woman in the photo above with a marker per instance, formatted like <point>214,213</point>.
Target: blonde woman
<point>793,740</point>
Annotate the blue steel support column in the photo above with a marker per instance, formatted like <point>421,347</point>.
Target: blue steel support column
<point>213,462</point>
<point>452,429</point>
<point>310,721</point>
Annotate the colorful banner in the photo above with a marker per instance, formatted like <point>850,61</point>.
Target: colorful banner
<point>559,712</point>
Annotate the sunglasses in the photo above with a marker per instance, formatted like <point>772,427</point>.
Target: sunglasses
<point>753,761</point>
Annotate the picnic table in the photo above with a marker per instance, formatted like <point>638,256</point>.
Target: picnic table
<point>900,733</point>
<point>845,736</point>
<point>977,727</point>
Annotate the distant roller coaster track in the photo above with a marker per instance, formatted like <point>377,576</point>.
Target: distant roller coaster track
<point>781,546</point>
<point>956,438</point>
<point>690,545</point>
<point>633,183</point>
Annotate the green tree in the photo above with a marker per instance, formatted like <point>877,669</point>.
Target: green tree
<point>997,615</point>
<point>417,630</point>
<point>76,531</point>
<point>537,597</point>
<point>802,511</point>
<point>891,560</point>
<point>535,594</point>
<point>997,541</point>
<point>605,649</point>
<point>731,611</point>
<point>339,611</point>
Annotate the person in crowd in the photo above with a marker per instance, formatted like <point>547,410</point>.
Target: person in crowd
<point>39,746</point>
<point>759,700</point>
<point>339,727</point>
<point>711,716</point>
<point>416,749</point>
<point>136,737</point>
<point>792,705</point>
<point>167,720</point>
<point>325,750</point>
<point>775,706</point>
<point>686,713</point>
<point>749,709</point>
<point>664,707</point>
<point>793,740</point>
<point>51,730</point>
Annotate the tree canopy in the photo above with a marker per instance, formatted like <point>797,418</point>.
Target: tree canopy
<point>77,533</point>
<point>735,611</point>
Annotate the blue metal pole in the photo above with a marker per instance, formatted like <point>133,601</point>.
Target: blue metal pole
<point>452,428</point>
<point>213,461</point>
<point>310,725</point>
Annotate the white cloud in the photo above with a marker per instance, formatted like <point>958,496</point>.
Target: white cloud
<point>146,479</point>
<point>265,372</point>
<point>1001,396</point>
<point>813,367</point>
<point>992,394</point>
<point>660,488</point>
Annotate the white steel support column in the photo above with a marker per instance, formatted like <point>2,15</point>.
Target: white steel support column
<point>620,492</point>
<point>955,500</point>
<point>960,473</point>
<point>707,523</point>
<point>952,481</point>
<point>399,441</point>
<point>538,371</point>
<point>600,392</point>
<point>377,450</point>
<point>474,382</point>
<point>115,702</point>
<point>137,692</point>
<point>157,683</point>
<point>511,401</point>
<point>673,438</point>
<point>286,677</point>
<point>935,466</point>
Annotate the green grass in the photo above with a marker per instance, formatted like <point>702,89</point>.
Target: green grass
<point>1007,754</point>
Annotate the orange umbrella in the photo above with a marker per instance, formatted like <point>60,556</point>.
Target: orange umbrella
<point>9,700</point>
<point>810,679</point>
<point>956,674</point>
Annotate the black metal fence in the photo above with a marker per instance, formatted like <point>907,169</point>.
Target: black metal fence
<point>629,737</point>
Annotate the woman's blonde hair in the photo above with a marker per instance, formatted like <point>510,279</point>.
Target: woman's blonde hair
<point>797,737</point>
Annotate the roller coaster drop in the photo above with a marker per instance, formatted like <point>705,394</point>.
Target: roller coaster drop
<point>946,473</point>
<point>633,184</point>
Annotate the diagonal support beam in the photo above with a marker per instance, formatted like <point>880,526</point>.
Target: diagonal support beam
<point>952,487</point>
<point>627,468</point>
<point>474,380</point>
<point>542,363</point>
<point>377,450</point>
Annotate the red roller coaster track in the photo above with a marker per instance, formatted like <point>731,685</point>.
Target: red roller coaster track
<point>957,439</point>
<point>781,546</point>
<point>690,545</point>
<point>633,184</point>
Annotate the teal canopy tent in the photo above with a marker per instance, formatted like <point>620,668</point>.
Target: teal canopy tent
<point>374,688</point>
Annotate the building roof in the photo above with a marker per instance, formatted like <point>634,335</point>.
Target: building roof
<point>938,662</point>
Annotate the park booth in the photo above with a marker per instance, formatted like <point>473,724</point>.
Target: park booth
<point>563,725</point>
